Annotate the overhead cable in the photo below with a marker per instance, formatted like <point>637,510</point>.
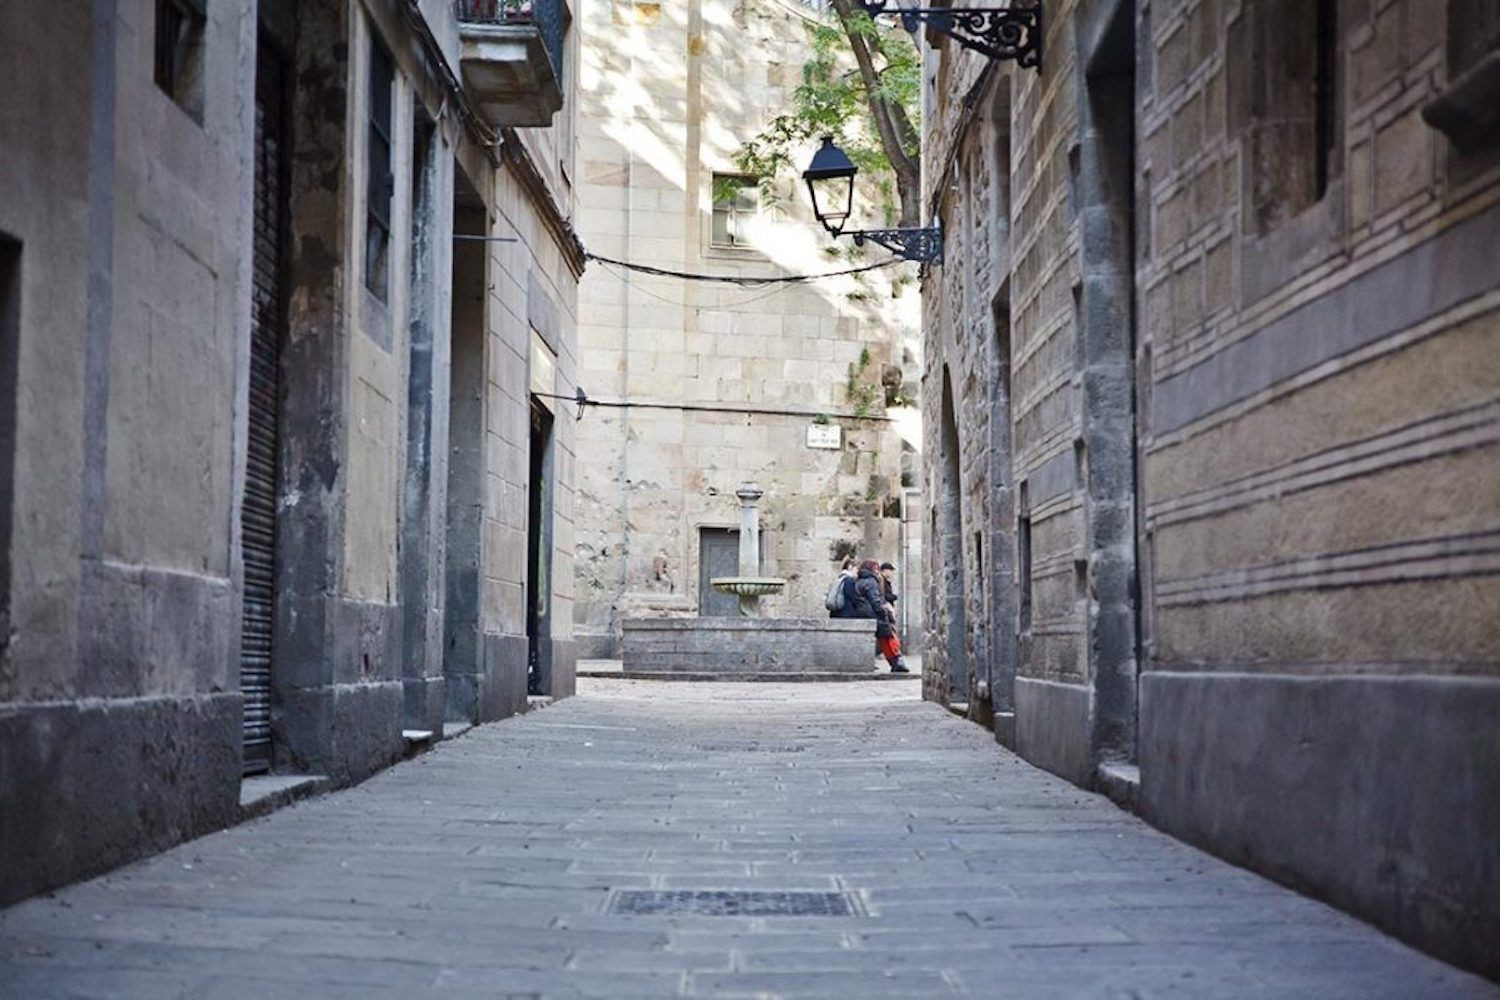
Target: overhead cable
<point>742,281</point>
<point>583,401</point>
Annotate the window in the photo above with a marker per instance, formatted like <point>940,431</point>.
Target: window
<point>1023,563</point>
<point>736,205</point>
<point>1473,34</point>
<point>179,53</point>
<point>1289,75</point>
<point>380,184</point>
<point>979,577</point>
<point>1465,110</point>
<point>1325,113</point>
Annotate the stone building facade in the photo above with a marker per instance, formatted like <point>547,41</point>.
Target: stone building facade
<point>1212,427</point>
<point>274,404</point>
<point>733,379</point>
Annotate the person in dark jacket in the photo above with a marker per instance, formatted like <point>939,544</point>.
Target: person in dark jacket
<point>888,586</point>
<point>869,602</point>
<point>869,597</point>
<point>890,646</point>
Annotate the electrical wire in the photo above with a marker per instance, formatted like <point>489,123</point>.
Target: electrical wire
<point>755,296</point>
<point>743,282</point>
<point>583,401</point>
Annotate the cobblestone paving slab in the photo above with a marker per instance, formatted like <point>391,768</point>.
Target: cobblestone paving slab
<point>485,868</point>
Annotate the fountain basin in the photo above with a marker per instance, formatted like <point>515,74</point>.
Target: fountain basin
<point>748,586</point>
<point>726,647</point>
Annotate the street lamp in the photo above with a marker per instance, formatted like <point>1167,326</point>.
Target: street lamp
<point>830,182</point>
<point>1010,32</point>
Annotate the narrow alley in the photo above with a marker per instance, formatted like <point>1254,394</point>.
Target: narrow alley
<point>499,864</point>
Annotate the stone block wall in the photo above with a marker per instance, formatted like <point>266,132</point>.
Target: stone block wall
<point>1252,431</point>
<point>1320,455</point>
<point>669,94</point>
<point>748,645</point>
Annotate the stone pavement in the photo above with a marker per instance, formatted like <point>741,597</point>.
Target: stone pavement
<point>486,868</point>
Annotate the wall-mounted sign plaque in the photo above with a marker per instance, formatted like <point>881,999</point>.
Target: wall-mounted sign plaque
<point>827,436</point>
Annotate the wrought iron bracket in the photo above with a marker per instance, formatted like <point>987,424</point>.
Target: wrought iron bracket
<point>998,32</point>
<point>925,246</point>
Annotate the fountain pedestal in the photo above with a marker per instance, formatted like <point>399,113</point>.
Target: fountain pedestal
<point>750,586</point>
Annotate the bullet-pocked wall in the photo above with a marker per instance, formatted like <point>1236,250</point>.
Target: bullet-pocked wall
<point>767,373</point>
<point>227,307</point>
<point>1252,482</point>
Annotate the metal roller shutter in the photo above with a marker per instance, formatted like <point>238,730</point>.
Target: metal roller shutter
<point>258,510</point>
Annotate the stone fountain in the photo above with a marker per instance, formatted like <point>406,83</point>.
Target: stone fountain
<point>747,646</point>
<point>750,586</point>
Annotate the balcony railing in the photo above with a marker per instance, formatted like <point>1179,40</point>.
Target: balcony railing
<point>513,57</point>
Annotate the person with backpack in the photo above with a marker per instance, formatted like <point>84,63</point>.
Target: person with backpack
<point>840,599</point>
<point>870,602</point>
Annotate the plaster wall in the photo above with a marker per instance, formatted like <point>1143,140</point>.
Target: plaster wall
<point>121,652</point>
<point>130,218</point>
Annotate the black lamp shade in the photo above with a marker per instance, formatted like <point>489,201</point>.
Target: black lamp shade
<point>830,181</point>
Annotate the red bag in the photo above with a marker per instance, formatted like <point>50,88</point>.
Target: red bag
<point>889,646</point>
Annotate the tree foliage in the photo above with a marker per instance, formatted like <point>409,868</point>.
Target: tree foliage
<point>862,84</point>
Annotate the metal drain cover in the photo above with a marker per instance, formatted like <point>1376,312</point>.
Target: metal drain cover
<point>731,903</point>
<point>749,747</point>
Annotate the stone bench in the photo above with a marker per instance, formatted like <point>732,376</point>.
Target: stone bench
<point>749,645</point>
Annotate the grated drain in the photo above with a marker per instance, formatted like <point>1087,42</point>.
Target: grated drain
<point>749,747</point>
<point>730,903</point>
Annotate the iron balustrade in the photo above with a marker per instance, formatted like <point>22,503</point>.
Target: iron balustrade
<point>545,15</point>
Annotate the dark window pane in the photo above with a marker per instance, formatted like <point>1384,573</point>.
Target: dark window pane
<point>379,182</point>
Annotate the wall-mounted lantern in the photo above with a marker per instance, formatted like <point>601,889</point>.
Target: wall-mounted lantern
<point>830,181</point>
<point>1011,32</point>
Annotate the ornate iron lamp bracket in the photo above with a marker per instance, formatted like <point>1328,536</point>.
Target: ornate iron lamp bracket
<point>998,32</point>
<point>925,246</point>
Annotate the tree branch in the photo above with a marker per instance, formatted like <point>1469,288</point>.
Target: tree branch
<point>907,168</point>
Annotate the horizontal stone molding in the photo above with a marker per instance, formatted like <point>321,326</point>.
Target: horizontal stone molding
<point>1424,281</point>
<point>1473,554</point>
<point>1471,427</point>
<point>1055,476</point>
<point>1438,667</point>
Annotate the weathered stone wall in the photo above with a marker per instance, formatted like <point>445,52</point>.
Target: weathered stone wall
<point>1321,464</point>
<point>126,247</point>
<point>1252,433</point>
<point>999,346</point>
<point>119,712</point>
<point>669,94</point>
